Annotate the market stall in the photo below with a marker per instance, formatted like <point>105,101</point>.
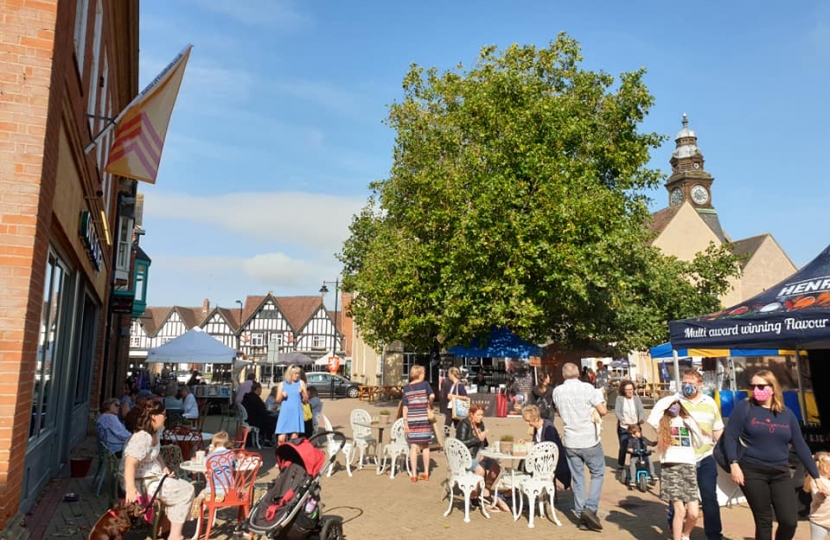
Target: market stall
<point>506,387</point>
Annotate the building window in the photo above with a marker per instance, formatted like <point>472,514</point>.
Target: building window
<point>96,64</point>
<point>81,15</point>
<point>411,359</point>
<point>257,340</point>
<point>318,342</point>
<point>135,341</point>
<point>55,295</point>
<point>125,244</point>
<point>277,340</point>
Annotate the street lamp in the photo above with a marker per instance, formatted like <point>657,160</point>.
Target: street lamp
<point>323,291</point>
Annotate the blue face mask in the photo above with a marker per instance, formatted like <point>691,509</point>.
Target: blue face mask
<point>689,390</point>
<point>674,410</point>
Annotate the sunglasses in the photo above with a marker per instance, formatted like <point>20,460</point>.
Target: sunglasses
<point>759,386</point>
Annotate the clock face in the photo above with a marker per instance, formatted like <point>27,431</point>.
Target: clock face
<point>676,197</point>
<point>696,165</point>
<point>700,195</point>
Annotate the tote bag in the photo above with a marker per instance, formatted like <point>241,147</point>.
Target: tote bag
<point>459,407</point>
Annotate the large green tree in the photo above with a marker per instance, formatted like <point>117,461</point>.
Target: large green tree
<point>516,199</point>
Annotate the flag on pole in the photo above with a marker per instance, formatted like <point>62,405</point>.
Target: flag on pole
<point>142,126</point>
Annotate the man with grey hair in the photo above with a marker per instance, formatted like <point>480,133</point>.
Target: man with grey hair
<point>580,405</point>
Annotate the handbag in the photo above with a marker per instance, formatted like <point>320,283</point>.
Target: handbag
<point>307,414</point>
<point>459,407</point>
<point>431,415</point>
<point>719,453</point>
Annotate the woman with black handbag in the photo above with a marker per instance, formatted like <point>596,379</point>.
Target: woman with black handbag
<point>765,428</point>
<point>543,396</point>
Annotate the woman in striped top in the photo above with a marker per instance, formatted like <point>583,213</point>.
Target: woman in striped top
<point>417,404</point>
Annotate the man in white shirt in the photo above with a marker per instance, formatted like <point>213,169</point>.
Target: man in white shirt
<point>244,388</point>
<point>580,404</point>
<point>705,411</point>
<point>191,408</point>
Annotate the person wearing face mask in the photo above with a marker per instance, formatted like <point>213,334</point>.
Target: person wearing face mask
<point>706,414</point>
<point>677,437</point>
<point>763,427</point>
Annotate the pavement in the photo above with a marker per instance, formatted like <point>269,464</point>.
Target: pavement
<point>372,506</point>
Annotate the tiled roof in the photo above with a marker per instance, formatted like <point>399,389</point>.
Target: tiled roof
<point>153,318</point>
<point>298,310</point>
<point>252,303</point>
<point>661,218</point>
<point>711,219</point>
<point>192,316</point>
<point>230,315</point>
<point>747,247</point>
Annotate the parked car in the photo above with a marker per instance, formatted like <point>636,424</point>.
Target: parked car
<point>322,382</point>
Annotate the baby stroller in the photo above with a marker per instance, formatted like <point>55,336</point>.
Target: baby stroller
<point>291,509</point>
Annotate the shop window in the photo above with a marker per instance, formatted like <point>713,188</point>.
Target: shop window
<point>51,331</point>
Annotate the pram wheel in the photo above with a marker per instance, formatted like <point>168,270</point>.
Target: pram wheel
<point>332,529</point>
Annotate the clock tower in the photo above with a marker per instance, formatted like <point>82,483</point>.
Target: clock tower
<point>689,181</point>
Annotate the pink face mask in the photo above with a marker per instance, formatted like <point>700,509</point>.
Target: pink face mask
<point>762,394</point>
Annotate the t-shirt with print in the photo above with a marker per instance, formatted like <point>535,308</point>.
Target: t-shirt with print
<point>684,435</point>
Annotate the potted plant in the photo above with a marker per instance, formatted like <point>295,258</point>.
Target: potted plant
<point>384,416</point>
<point>80,459</point>
<point>506,444</point>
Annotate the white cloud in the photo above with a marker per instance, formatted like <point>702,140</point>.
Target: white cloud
<point>276,14</point>
<point>307,220</point>
<point>264,269</point>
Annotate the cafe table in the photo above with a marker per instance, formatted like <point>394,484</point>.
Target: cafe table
<point>380,427</point>
<point>515,476</point>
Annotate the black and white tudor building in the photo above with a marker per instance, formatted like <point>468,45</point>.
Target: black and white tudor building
<point>288,324</point>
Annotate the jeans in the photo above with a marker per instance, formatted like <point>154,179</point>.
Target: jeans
<point>767,489</point>
<point>707,483</point>
<point>594,459</point>
<point>623,436</point>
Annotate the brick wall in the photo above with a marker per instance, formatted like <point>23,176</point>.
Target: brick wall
<point>27,178</point>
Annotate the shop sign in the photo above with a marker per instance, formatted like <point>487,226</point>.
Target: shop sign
<point>89,237</point>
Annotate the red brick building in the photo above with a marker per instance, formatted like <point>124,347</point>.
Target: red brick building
<point>64,65</point>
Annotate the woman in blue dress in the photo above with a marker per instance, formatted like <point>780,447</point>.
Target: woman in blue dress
<point>417,402</point>
<point>291,394</point>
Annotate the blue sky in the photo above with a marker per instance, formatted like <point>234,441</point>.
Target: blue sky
<point>278,128</point>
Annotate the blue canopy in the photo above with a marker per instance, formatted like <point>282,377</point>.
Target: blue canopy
<point>664,351</point>
<point>501,343</point>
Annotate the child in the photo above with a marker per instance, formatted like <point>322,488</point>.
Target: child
<point>222,475</point>
<point>677,436</point>
<point>316,407</point>
<point>820,507</point>
<point>638,444</point>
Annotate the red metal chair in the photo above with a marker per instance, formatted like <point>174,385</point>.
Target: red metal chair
<point>227,490</point>
<point>189,440</point>
<point>241,438</point>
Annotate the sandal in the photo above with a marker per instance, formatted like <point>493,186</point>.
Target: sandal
<point>423,477</point>
<point>413,479</point>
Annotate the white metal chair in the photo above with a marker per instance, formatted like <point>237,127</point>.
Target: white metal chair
<point>541,465</point>
<point>332,447</point>
<point>395,449</point>
<point>459,462</point>
<point>242,415</point>
<point>362,436</point>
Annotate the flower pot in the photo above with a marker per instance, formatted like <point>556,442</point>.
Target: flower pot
<point>79,467</point>
<point>506,447</point>
<point>384,419</point>
<point>519,449</point>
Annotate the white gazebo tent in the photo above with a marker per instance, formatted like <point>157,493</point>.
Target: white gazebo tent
<point>193,347</point>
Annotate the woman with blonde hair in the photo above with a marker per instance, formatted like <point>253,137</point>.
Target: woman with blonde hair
<point>820,507</point>
<point>291,394</point>
<point>756,443</point>
<point>417,415</point>
<point>454,388</point>
<point>541,429</point>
